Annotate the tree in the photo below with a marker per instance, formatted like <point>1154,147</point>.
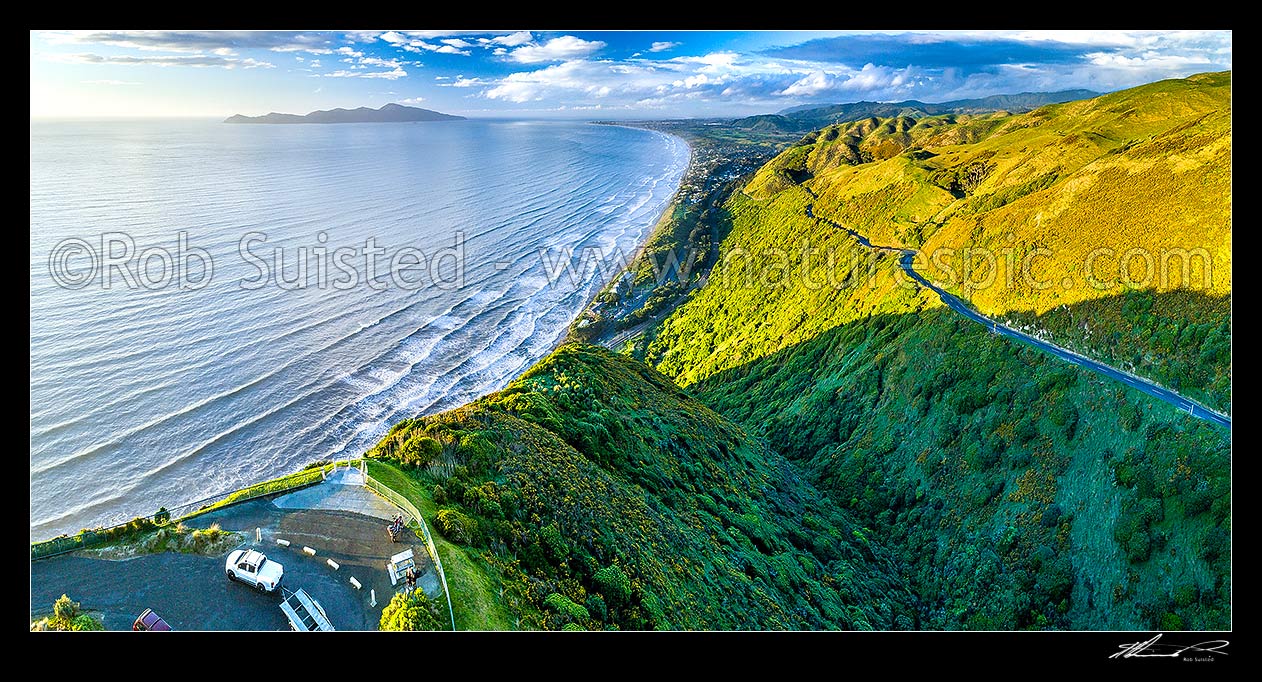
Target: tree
<point>409,611</point>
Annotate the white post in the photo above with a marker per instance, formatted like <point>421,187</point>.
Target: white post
<point>258,534</point>
<point>372,597</point>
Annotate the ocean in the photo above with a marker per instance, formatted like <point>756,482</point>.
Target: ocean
<point>179,349</point>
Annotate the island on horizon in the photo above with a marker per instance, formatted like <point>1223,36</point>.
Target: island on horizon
<point>389,113</point>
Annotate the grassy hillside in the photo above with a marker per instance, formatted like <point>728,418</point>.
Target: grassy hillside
<point>603,496</point>
<point>757,300</point>
<point>1014,490</point>
<point>1027,215</point>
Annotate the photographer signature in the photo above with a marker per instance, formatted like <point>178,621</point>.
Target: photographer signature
<point>1152,649</point>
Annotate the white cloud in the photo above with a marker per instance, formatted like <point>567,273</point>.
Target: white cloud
<point>810,85</point>
<point>377,61</point>
<point>513,39</point>
<point>456,42</point>
<point>452,49</point>
<point>585,78</point>
<point>361,36</point>
<point>197,60</point>
<point>434,35</point>
<point>750,82</point>
<point>556,50</point>
<point>349,52</point>
<point>412,100</point>
<point>1147,59</point>
<point>393,37</point>
<point>418,45</point>
<point>395,74</point>
<point>663,45</point>
<point>462,82</point>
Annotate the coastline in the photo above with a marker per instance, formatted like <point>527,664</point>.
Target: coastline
<point>564,335</point>
<point>649,233</point>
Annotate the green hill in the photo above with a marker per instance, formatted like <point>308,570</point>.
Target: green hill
<point>1077,202</point>
<point>1015,490</point>
<point>600,495</point>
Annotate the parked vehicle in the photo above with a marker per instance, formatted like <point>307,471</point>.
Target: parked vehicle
<point>304,613</point>
<point>148,621</point>
<point>253,568</point>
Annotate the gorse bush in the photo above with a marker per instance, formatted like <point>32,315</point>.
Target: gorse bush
<point>68,615</point>
<point>411,610</point>
<point>65,609</point>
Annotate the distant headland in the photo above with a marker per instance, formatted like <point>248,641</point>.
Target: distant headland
<point>390,113</point>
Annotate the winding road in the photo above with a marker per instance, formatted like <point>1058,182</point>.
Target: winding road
<point>906,261</point>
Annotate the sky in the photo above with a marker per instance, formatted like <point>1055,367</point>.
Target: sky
<point>583,74</point>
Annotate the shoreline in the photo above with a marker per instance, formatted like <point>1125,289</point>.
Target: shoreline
<point>657,225</point>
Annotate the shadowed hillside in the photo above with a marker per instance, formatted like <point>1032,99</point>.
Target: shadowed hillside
<point>600,495</point>
<point>1015,491</point>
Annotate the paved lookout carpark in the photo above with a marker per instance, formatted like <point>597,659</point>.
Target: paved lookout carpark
<point>339,518</point>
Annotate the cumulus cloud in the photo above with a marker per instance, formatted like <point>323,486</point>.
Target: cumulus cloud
<point>412,100</point>
<point>555,50</point>
<point>663,45</point>
<point>513,39</point>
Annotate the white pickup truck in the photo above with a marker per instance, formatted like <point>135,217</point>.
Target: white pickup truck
<point>251,567</point>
